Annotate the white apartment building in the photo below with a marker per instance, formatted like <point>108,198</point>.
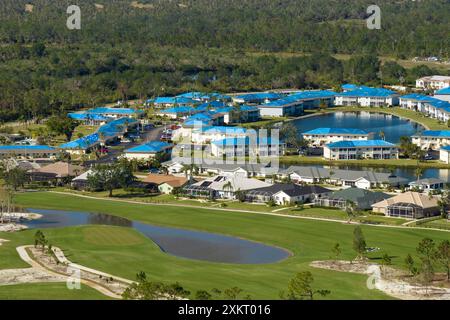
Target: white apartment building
<point>321,136</point>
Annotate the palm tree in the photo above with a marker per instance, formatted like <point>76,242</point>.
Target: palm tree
<point>228,186</point>
<point>382,135</point>
<point>350,207</point>
<point>418,172</point>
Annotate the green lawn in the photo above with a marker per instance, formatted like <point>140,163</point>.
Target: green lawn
<point>48,291</point>
<point>438,224</point>
<point>307,240</point>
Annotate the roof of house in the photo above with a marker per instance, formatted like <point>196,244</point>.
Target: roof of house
<point>444,91</point>
<point>118,111</point>
<point>360,143</point>
<point>150,147</point>
<point>266,141</point>
<point>435,133</point>
<point>418,199</point>
<point>62,169</point>
<point>435,78</point>
<point>363,91</point>
<point>364,198</point>
<point>342,131</point>
<point>292,190</point>
<point>316,94</point>
<point>222,130</point>
<point>446,148</point>
<point>11,148</point>
<point>426,181</point>
<point>83,176</point>
<point>180,109</point>
<point>235,183</point>
<point>82,143</point>
<point>259,96</point>
<point>166,178</point>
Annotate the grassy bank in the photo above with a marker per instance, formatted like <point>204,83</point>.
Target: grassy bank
<point>307,240</point>
<point>386,163</point>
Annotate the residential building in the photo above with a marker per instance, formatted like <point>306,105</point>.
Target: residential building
<point>107,133</point>
<point>148,150</point>
<point>320,136</point>
<point>241,147</point>
<point>179,112</point>
<point>361,199</point>
<point>81,182</point>
<point>443,94</point>
<point>256,98</point>
<point>214,133</point>
<point>223,187</point>
<point>27,152</point>
<point>432,139</point>
<point>286,193</point>
<point>286,107</point>
<point>314,99</point>
<point>427,185</point>
<point>58,172</point>
<point>444,154</point>
<point>166,183</point>
<point>367,97</point>
<point>164,102</point>
<point>412,205</point>
<point>102,115</point>
<point>360,149</point>
<point>346,178</point>
<point>433,82</point>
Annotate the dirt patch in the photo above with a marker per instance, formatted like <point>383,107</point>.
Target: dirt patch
<point>136,4</point>
<point>29,7</point>
<point>11,227</point>
<point>391,281</point>
<point>28,275</point>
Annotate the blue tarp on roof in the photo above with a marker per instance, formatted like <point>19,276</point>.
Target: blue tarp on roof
<point>17,147</point>
<point>319,94</point>
<point>443,91</point>
<point>245,141</point>
<point>88,116</point>
<point>446,148</point>
<point>173,100</point>
<point>259,96</point>
<point>436,133</point>
<point>360,143</point>
<point>336,131</point>
<point>82,143</point>
<point>223,130</point>
<point>182,109</point>
<point>367,92</point>
<point>119,111</point>
<point>150,147</point>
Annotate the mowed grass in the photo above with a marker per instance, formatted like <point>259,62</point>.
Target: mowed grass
<point>112,236</point>
<point>48,291</point>
<point>307,240</point>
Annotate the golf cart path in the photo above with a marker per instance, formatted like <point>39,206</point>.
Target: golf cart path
<point>38,273</point>
<point>244,211</point>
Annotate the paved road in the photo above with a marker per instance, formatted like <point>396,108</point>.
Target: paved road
<point>150,135</point>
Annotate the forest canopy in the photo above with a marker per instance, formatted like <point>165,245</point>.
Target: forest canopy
<point>138,49</point>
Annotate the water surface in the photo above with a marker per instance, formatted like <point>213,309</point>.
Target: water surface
<point>178,242</point>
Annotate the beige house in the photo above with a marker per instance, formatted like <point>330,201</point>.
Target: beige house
<point>412,205</point>
<point>166,182</point>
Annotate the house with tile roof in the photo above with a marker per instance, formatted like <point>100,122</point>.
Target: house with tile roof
<point>286,193</point>
<point>412,205</point>
<point>166,183</point>
<point>362,199</point>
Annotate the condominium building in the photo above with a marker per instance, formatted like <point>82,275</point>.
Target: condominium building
<point>321,136</point>
<point>360,149</point>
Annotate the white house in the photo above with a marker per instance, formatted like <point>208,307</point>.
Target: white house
<point>148,150</point>
<point>360,149</point>
<point>321,136</point>
<point>433,82</point>
<point>214,133</point>
<point>432,139</point>
<point>427,185</point>
<point>281,108</point>
<point>443,94</point>
<point>444,154</point>
<point>367,97</point>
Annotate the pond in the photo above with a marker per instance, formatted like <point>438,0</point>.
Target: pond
<point>178,242</point>
<point>392,126</point>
